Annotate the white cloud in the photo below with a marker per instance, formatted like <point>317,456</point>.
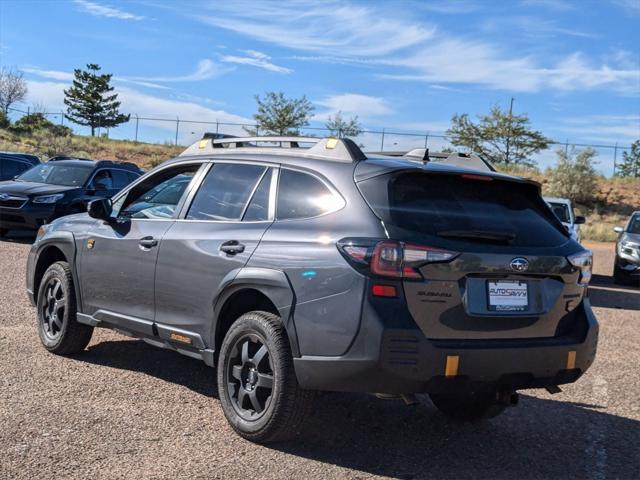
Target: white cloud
<point>329,28</point>
<point>68,77</point>
<point>632,7</point>
<point>51,95</point>
<point>352,104</point>
<point>256,59</point>
<point>602,128</point>
<point>206,70</point>
<point>99,10</point>
<point>384,37</point>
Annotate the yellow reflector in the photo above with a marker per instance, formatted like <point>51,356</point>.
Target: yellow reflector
<point>180,338</point>
<point>571,360</point>
<point>203,143</point>
<point>90,243</point>
<point>331,143</point>
<point>451,368</point>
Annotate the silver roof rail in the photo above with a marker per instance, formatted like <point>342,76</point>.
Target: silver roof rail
<point>336,149</point>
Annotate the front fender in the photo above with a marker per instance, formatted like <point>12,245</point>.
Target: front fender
<point>273,284</point>
<point>65,242</point>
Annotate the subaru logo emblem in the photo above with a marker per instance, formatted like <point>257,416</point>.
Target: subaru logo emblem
<point>519,264</point>
<point>3,196</point>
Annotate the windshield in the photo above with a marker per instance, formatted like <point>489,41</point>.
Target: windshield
<point>58,174</point>
<point>561,211</point>
<point>634,225</point>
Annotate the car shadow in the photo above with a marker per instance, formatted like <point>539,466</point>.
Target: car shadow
<point>604,293</point>
<point>17,236</point>
<point>541,438</point>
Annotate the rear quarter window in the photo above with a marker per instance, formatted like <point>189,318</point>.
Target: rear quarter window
<point>436,204</point>
<point>301,195</point>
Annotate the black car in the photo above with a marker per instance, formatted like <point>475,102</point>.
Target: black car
<point>59,187</point>
<point>13,164</point>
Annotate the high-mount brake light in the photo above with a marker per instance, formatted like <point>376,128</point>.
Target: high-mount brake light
<point>470,176</point>
<point>392,259</point>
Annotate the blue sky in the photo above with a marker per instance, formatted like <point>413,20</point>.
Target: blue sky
<point>574,67</point>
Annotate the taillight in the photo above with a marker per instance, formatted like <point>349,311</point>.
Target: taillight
<point>389,258</point>
<point>583,261</point>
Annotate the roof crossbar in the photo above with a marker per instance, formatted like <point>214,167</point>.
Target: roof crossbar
<point>336,149</point>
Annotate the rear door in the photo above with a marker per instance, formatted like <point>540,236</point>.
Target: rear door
<point>510,277</point>
<point>219,229</point>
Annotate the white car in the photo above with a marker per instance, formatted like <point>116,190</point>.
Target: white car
<point>563,208</point>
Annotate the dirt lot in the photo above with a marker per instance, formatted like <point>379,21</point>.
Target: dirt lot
<point>126,410</point>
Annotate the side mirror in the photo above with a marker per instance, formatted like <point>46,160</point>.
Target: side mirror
<point>100,209</point>
<point>579,220</point>
<point>618,229</point>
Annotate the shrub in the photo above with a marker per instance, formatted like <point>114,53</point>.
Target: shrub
<point>37,121</point>
<point>574,176</point>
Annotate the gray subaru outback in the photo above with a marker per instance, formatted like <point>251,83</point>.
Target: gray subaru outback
<point>294,269</point>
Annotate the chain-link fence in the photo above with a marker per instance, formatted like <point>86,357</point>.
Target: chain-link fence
<point>178,131</point>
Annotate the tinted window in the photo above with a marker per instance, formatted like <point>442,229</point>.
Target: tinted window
<point>634,224</point>
<point>562,211</point>
<point>120,179</point>
<point>58,174</point>
<point>258,209</point>
<point>11,168</point>
<point>158,195</point>
<point>301,195</point>
<point>453,208</point>
<point>225,192</point>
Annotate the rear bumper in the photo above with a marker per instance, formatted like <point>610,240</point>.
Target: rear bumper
<point>405,361</point>
<point>29,217</point>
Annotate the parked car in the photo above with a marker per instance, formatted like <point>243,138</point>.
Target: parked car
<point>59,187</point>
<point>563,209</point>
<point>13,164</point>
<point>626,269</point>
<point>299,269</point>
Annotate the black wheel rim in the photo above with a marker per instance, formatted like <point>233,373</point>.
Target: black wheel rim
<point>249,377</point>
<point>53,309</point>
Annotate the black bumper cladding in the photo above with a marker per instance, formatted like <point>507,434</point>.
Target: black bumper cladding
<point>407,362</point>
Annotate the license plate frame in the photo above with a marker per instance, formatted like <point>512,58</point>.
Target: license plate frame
<point>507,296</point>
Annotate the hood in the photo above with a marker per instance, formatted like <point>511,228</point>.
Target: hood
<point>631,237</point>
<point>30,189</point>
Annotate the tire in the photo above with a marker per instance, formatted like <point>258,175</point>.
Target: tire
<point>58,329</point>
<point>257,385</point>
<point>469,407</point>
<point>3,232</point>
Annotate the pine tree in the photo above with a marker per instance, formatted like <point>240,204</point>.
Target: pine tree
<point>340,127</point>
<point>90,102</point>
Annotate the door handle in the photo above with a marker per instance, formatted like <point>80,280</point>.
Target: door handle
<point>148,242</point>
<point>232,247</point>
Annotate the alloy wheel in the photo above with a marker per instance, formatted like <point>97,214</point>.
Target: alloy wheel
<point>249,376</point>
<point>53,309</point>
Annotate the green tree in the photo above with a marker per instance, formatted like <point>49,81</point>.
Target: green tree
<point>340,127</point>
<point>501,137</point>
<point>574,176</point>
<point>630,166</point>
<point>90,102</point>
<point>278,115</point>
<point>34,122</point>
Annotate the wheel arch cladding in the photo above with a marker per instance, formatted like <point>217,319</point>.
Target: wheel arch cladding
<point>255,289</point>
<point>60,249</point>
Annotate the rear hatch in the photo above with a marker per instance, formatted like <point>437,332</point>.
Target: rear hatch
<point>512,272</point>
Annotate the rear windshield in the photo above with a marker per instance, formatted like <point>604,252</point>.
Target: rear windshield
<point>454,208</point>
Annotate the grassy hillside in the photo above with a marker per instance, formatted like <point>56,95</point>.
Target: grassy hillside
<point>615,198</point>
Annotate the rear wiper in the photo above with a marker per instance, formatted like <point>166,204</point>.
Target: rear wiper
<point>506,237</point>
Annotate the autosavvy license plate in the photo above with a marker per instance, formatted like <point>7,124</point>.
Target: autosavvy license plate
<point>508,295</point>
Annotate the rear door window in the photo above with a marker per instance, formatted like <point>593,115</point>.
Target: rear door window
<point>225,191</point>
<point>301,195</point>
<point>120,179</point>
<point>452,207</point>
<point>258,208</point>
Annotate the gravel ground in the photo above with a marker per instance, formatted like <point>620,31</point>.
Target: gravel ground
<point>123,409</point>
